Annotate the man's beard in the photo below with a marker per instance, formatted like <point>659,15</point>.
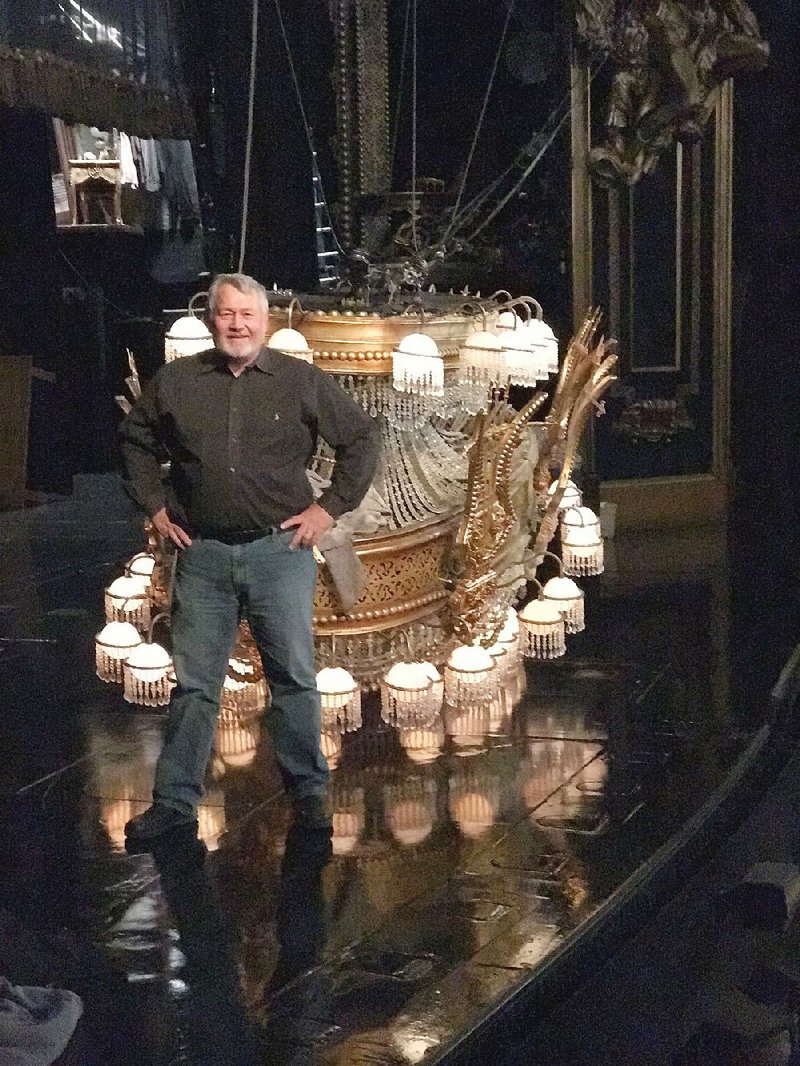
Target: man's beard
<point>240,356</point>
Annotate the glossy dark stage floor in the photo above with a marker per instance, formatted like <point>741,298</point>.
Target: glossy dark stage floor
<point>457,876</point>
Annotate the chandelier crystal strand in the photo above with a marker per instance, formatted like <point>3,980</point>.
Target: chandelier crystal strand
<point>242,700</point>
<point>236,742</point>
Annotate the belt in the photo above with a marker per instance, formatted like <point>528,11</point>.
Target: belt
<point>239,536</point>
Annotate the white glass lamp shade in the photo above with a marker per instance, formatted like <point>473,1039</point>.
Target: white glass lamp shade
<point>188,336</point>
<point>569,599</point>
<point>468,728</point>
<point>340,695</point>
<point>507,320</point>
<point>509,634</point>
<point>141,568</point>
<point>411,695</point>
<point>583,517</point>
<point>211,820</point>
<point>482,360</point>
<point>417,366</point>
<point>126,601</point>
<point>571,497</point>
<point>546,343</point>
<point>470,677</point>
<point>551,343</point>
<point>499,716</point>
<point>537,346</point>
<point>542,629</point>
<point>348,817</point>
<point>291,342</point>
<point>147,676</point>
<point>581,551</point>
<point>112,646</point>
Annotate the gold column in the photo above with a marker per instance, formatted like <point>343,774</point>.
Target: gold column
<point>581,191</point>
<point>723,218</point>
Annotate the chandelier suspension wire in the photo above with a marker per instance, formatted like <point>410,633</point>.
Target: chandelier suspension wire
<point>414,129</point>
<point>401,80</point>
<point>248,151</point>
<point>550,137</point>
<point>306,125</point>
<point>479,127</point>
<point>470,209</point>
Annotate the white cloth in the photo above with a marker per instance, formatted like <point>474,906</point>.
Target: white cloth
<point>36,1024</point>
<point>337,548</point>
<point>130,175</point>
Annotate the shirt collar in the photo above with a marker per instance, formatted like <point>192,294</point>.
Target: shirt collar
<point>214,359</point>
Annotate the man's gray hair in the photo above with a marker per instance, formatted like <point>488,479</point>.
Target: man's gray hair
<point>242,282</point>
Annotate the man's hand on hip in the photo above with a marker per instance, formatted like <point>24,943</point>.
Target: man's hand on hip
<point>169,531</point>
<point>311,524</point>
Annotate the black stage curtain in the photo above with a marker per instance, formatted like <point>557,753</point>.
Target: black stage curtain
<point>281,242</point>
<point>29,290</point>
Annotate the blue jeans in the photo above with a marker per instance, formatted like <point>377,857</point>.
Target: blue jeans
<point>273,587</point>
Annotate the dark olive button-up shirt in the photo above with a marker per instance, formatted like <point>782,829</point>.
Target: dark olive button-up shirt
<point>239,447</point>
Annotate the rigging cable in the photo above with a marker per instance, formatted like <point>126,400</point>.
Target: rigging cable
<point>396,130</point>
<point>306,126</point>
<point>248,151</point>
<point>414,131</point>
<point>529,169</point>
<point>478,128</point>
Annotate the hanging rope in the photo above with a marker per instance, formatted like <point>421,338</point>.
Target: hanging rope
<point>479,127</point>
<point>248,151</point>
<point>414,130</point>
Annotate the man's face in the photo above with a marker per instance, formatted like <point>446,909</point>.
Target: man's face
<point>240,323</point>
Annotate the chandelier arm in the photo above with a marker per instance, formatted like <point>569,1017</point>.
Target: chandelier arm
<point>197,296</point>
<point>599,382</point>
<point>293,304</point>
<point>557,559</point>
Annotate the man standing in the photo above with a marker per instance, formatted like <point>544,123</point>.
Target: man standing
<point>239,425</point>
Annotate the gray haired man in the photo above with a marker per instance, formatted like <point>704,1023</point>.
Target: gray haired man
<point>239,424</point>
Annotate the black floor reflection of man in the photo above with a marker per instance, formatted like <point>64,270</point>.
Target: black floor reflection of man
<point>299,993</point>
<point>218,1033</point>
